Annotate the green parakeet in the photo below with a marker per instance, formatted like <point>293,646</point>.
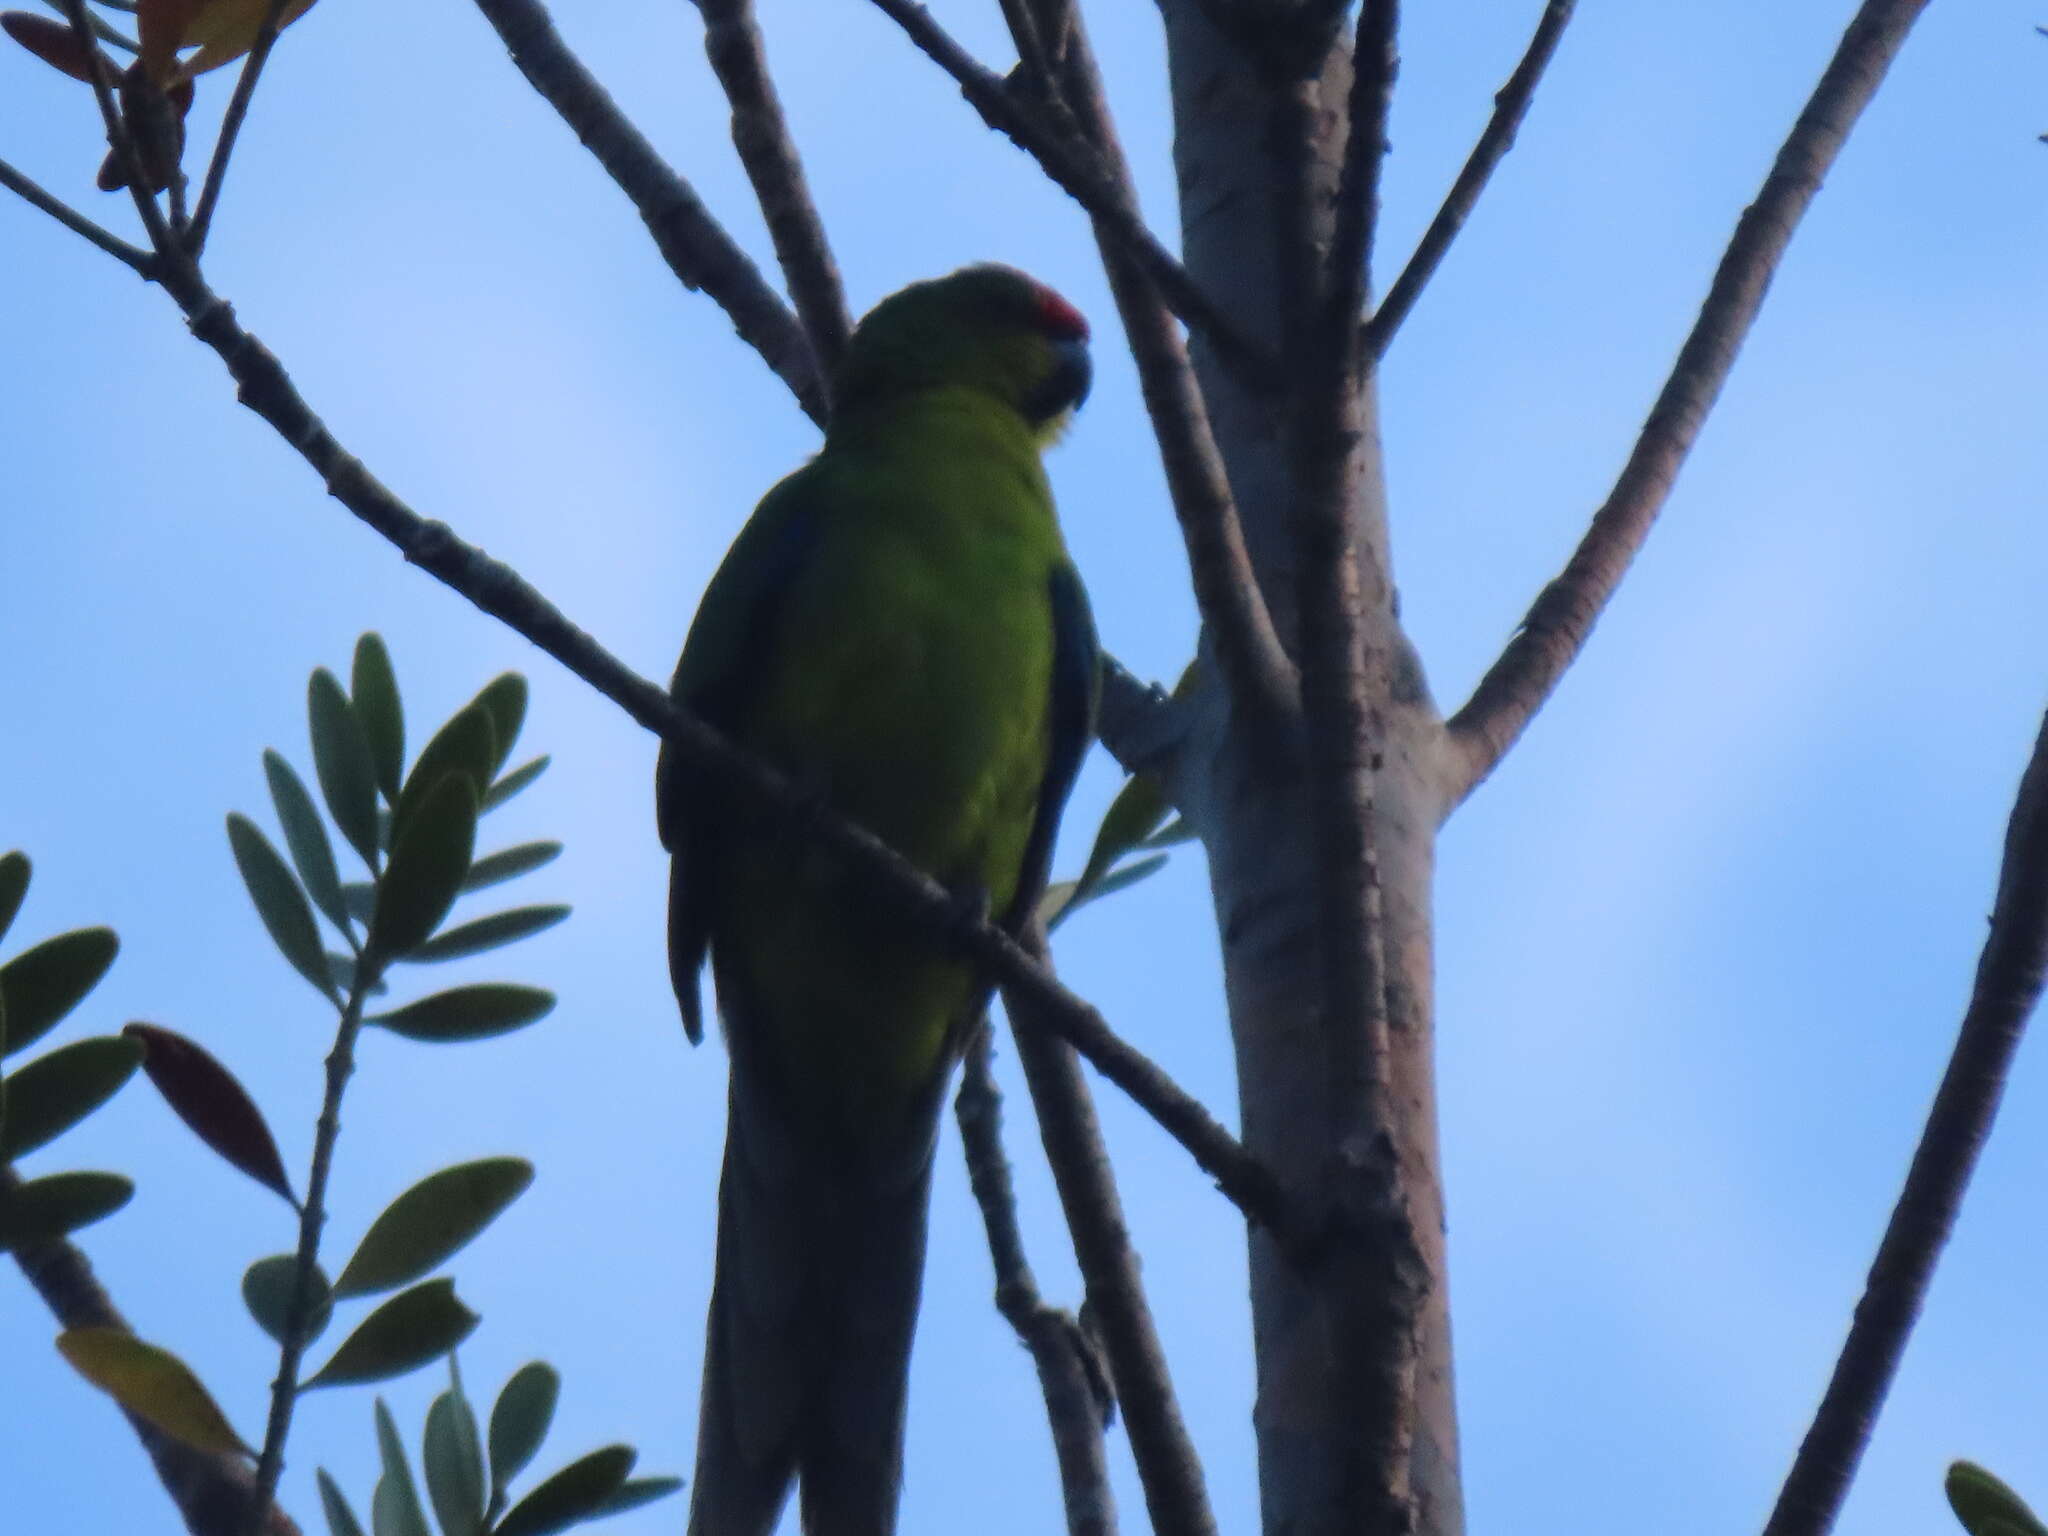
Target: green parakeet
<point>899,629</point>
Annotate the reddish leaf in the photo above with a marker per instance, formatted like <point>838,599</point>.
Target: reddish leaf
<point>51,41</point>
<point>205,1095</point>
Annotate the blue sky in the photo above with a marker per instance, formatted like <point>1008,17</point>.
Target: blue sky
<point>1704,938</point>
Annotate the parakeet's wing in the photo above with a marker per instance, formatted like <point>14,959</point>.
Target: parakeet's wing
<point>1076,686</point>
<point>721,660</point>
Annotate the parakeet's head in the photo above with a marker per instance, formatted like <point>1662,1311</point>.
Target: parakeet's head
<point>988,328</point>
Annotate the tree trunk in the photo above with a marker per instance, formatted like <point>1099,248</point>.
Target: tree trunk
<point>1250,805</point>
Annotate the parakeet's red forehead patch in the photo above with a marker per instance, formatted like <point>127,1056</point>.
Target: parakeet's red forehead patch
<point>1060,318</point>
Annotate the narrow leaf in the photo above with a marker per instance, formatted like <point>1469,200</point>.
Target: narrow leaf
<point>395,1510</point>
<point>153,1384</point>
<point>43,984</point>
<point>360,898</point>
<point>429,1222</point>
<point>635,1492</point>
<point>280,903</point>
<point>1137,810</point>
<point>343,969</point>
<point>427,866</point>
<point>59,1203</point>
<point>504,699</point>
<point>515,781</point>
<point>341,1520</point>
<point>1984,1504</point>
<point>267,1293</point>
<point>14,872</point>
<point>495,868</point>
<point>455,1465</point>
<point>54,1092</point>
<point>488,933</point>
<point>467,744</point>
<point>467,1013</point>
<point>1052,906</point>
<point>1172,835</point>
<point>51,41</point>
<point>409,1330</point>
<point>212,1103</point>
<point>520,1420</point>
<point>373,689</point>
<point>573,1494</point>
<point>305,837</point>
<point>342,763</point>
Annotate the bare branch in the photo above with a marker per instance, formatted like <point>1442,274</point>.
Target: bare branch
<point>1510,106</point>
<point>231,126</point>
<point>211,1492</point>
<point>1077,1412</point>
<point>1558,623</point>
<point>1374,64</point>
<point>265,388</point>
<point>733,42</point>
<point>2008,986</point>
<point>119,140</point>
<point>130,256</point>
<point>1082,177</point>
<point>1247,647</point>
<point>1176,1496</point>
<point>696,247</point>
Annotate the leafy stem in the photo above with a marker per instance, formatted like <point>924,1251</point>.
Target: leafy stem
<point>341,1065</point>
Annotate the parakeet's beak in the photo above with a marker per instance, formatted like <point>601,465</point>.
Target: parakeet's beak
<point>1064,388</point>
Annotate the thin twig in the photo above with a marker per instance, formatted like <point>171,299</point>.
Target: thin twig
<point>1510,106</point>
<point>2008,986</point>
<point>1247,648</point>
<point>130,256</point>
<point>119,140</point>
<point>1176,1495</point>
<point>1557,624</point>
<point>1057,1346</point>
<point>211,1492</point>
<point>102,29</point>
<point>1080,174</point>
<point>695,246</point>
<point>497,589</point>
<point>231,126</point>
<point>341,1065</point>
<point>733,42</point>
<point>1374,65</point>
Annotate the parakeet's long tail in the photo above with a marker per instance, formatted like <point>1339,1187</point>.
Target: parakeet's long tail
<point>807,1356</point>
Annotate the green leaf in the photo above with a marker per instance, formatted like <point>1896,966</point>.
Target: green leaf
<point>504,699</point>
<point>455,1465</point>
<point>14,871</point>
<point>495,868</point>
<point>467,744</point>
<point>213,1104</point>
<point>1986,1506</point>
<point>1063,900</point>
<point>360,898</point>
<point>1052,906</point>
<point>515,781</point>
<point>343,969</point>
<point>635,1492</point>
<point>306,838</point>
<point>373,688</point>
<point>574,1494</point>
<point>54,1092</point>
<point>343,764</point>
<point>467,1013</point>
<point>520,1420</point>
<point>59,1203</point>
<point>341,1520</point>
<point>427,866</point>
<point>1172,835</point>
<point>43,984</point>
<point>431,1221</point>
<point>409,1330</point>
<point>280,903</point>
<point>395,1509</point>
<point>1133,815</point>
<point>267,1293</point>
<point>153,1384</point>
<point>488,933</point>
